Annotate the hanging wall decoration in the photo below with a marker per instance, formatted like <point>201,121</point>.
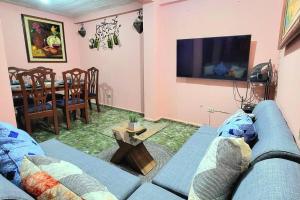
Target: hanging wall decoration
<point>82,31</point>
<point>107,35</point>
<point>138,23</point>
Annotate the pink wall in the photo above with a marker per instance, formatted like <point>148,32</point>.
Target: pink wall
<point>152,83</point>
<point>188,99</point>
<point>14,38</point>
<point>121,68</point>
<point>288,93</point>
<point>141,74</point>
<point>6,104</point>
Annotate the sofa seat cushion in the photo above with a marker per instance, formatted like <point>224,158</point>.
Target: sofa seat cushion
<point>117,181</point>
<point>61,102</point>
<point>275,139</point>
<point>178,173</point>
<point>10,191</point>
<point>149,191</point>
<point>275,179</point>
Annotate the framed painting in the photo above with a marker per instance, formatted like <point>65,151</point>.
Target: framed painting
<point>290,22</point>
<point>44,39</point>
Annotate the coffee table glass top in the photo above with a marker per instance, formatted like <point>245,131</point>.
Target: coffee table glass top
<point>120,133</point>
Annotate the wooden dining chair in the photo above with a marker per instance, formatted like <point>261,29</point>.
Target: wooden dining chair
<point>38,90</point>
<point>17,99</point>
<point>13,72</point>
<point>45,69</point>
<point>93,92</point>
<point>57,95</point>
<point>75,83</point>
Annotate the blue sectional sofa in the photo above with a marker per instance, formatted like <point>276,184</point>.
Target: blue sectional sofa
<point>274,172</point>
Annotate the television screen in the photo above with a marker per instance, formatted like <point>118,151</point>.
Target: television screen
<point>216,58</point>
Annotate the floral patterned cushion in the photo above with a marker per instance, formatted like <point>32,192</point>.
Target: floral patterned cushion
<point>48,178</point>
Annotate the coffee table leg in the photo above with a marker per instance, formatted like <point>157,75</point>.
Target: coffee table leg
<point>121,153</point>
<point>140,159</point>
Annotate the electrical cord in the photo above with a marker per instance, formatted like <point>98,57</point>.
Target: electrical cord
<point>249,95</point>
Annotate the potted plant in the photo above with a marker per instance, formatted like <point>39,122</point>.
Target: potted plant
<point>133,123</point>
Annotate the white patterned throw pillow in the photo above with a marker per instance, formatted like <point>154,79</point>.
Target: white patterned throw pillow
<point>223,163</point>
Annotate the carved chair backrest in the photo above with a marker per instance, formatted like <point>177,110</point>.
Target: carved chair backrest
<point>93,78</point>
<point>75,82</point>
<point>13,71</point>
<point>45,69</point>
<point>37,84</point>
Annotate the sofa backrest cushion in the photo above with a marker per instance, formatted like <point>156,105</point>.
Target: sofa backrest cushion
<point>275,140</point>
<point>268,179</point>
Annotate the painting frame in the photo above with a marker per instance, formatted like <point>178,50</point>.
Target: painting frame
<point>44,44</point>
<point>288,31</point>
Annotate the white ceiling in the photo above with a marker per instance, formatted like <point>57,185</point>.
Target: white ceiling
<point>70,8</point>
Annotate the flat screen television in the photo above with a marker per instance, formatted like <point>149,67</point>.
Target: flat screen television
<point>214,58</point>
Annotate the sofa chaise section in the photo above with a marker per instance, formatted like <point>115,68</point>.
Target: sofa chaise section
<point>176,176</point>
<point>120,183</point>
<point>276,179</point>
<point>275,140</point>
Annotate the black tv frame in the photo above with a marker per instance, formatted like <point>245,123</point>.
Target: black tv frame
<point>215,77</point>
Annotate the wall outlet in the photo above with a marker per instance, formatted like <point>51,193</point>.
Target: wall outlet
<point>108,95</point>
<point>210,110</point>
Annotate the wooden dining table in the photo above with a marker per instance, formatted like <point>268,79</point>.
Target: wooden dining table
<point>17,91</point>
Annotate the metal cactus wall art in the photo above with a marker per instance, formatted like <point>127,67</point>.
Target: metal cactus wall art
<point>107,35</point>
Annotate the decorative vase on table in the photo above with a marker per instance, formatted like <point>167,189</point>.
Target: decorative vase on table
<point>133,126</point>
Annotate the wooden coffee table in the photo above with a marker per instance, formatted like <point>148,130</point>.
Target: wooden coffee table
<point>132,149</point>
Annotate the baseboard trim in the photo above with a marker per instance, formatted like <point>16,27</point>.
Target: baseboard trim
<point>122,108</point>
<point>154,120</point>
<point>183,122</point>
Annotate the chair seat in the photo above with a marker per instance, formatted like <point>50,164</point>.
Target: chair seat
<point>92,95</point>
<point>31,108</point>
<point>61,102</point>
<point>18,101</point>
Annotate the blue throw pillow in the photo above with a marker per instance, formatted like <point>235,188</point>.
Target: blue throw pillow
<point>239,125</point>
<point>14,145</point>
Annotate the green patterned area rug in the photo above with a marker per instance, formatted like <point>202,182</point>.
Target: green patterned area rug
<point>96,136</point>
